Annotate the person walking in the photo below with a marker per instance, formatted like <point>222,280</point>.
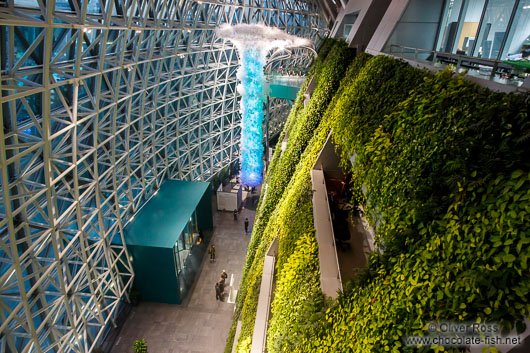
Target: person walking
<point>224,275</point>
<point>235,214</point>
<point>217,291</point>
<point>212,253</point>
<point>221,288</point>
<point>246,225</point>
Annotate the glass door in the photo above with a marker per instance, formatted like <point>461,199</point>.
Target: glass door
<point>182,251</point>
<point>193,228</point>
<point>187,239</point>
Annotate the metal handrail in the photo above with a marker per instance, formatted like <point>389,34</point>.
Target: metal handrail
<point>493,63</point>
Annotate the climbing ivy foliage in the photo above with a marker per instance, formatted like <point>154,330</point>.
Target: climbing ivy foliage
<point>298,299</point>
<point>441,167</point>
<point>473,268</point>
<point>291,196</point>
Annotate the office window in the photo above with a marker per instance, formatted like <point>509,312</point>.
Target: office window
<point>469,22</point>
<point>420,17</point>
<point>347,30</point>
<point>493,29</point>
<point>449,26</point>
<point>349,21</point>
<point>518,43</point>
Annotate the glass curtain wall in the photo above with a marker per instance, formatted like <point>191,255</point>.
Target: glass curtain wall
<point>459,26</point>
<point>491,29</point>
<point>468,26</point>
<point>518,42</point>
<point>100,102</point>
<point>449,26</point>
<point>494,27</point>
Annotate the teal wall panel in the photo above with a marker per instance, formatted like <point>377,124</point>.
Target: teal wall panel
<point>155,277</point>
<point>204,210</point>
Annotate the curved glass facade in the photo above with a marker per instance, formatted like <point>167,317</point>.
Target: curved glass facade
<point>101,101</point>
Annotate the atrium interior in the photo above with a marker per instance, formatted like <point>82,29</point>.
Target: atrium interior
<point>356,172</point>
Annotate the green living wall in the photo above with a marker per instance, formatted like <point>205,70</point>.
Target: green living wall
<point>440,166</point>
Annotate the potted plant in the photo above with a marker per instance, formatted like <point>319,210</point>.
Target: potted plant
<point>140,346</point>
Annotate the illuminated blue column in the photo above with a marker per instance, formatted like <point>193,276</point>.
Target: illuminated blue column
<point>253,42</point>
<point>251,75</point>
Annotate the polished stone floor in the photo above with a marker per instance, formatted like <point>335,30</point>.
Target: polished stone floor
<point>201,323</point>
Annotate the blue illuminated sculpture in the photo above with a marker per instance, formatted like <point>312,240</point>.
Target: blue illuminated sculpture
<point>252,63</point>
<point>253,43</point>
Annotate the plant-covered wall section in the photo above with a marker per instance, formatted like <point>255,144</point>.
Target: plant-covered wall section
<point>285,209</point>
<point>440,166</point>
<point>448,186</point>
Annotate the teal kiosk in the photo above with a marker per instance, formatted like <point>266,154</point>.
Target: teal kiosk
<point>164,241</point>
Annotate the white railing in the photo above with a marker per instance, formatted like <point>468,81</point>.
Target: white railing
<point>330,279</point>
<point>259,337</point>
<point>496,72</point>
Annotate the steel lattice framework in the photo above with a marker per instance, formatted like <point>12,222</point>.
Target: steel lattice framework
<point>101,100</point>
<point>279,110</point>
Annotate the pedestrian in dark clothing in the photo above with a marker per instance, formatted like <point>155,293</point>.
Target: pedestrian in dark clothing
<point>217,291</point>
<point>246,225</point>
<point>235,214</point>
<point>212,253</point>
<point>221,287</point>
<point>224,275</point>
